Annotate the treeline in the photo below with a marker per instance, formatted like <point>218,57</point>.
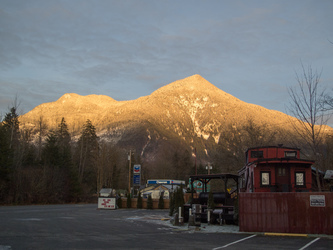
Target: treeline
<point>55,168</point>
<point>40,166</point>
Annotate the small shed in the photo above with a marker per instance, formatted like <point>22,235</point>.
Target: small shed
<point>155,192</point>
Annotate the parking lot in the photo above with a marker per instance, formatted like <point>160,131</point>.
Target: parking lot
<point>86,227</point>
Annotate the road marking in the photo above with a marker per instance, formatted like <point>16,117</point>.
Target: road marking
<point>310,243</point>
<point>29,219</point>
<point>285,234</point>
<point>235,242</point>
<point>5,247</point>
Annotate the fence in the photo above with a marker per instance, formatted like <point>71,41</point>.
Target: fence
<point>308,213</point>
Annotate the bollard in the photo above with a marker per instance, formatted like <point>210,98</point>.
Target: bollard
<point>191,221</point>
<point>190,211</point>
<point>176,220</point>
<point>180,216</point>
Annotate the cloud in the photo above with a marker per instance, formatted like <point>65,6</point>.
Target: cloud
<point>128,48</point>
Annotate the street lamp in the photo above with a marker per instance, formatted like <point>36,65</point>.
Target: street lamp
<point>209,168</point>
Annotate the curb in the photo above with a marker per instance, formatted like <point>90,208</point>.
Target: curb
<point>286,234</point>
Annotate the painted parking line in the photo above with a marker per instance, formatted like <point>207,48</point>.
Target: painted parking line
<point>309,244</point>
<point>285,234</point>
<point>235,242</point>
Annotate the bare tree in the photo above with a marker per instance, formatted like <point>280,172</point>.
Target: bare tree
<point>328,99</point>
<point>305,104</point>
<point>41,129</point>
<point>328,102</point>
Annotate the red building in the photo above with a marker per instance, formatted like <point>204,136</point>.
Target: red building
<point>275,169</point>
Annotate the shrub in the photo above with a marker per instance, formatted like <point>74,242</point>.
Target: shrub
<point>119,202</point>
<point>161,202</point>
<point>179,199</point>
<point>149,202</point>
<point>139,203</point>
<point>176,201</point>
<point>129,201</point>
<point>172,204</point>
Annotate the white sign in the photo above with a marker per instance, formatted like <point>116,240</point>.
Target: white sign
<point>107,203</point>
<point>317,201</point>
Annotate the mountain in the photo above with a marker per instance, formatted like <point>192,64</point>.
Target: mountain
<point>191,111</point>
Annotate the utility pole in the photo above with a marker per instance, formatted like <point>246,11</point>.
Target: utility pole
<point>195,155</point>
<point>129,171</point>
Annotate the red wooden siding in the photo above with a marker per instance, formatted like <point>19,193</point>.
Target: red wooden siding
<point>285,213</point>
<point>274,169</point>
<point>271,152</point>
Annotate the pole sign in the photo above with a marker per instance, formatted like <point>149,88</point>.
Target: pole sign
<point>137,169</point>
<point>136,180</point>
<point>137,175</point>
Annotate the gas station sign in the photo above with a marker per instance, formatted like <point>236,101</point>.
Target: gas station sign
<point>137,175</point>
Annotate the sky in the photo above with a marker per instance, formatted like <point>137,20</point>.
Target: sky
<point>126,49</point>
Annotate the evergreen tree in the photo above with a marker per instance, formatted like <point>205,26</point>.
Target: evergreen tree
<point>139,202</point>
<point>87,156</point>
<point>53,177</point>
<point>149,202</point>
<point>119,202</point>
<point>172,204</point>
<point>57,160</point>
<point>12,157</point>
<point>66,163</point>
<point>178,199</point>
<point>129,201</point>
<point>50,153</point>
<point>12,126</point>
<point>63,141</point>
<point>6,163</point>
<point>161,201</point>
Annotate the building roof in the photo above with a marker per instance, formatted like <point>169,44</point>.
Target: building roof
<point>213,176</point>
<point>283,160</point>
<point>272,147</point>
<point>151,188</point>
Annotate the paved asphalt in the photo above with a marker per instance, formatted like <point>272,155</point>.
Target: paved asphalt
<point>86,227</point>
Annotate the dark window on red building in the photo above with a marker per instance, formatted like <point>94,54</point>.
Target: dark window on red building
<point>281,171</point>
<point>290,154</point>
<point>257,154</point>
<point>265,178</point>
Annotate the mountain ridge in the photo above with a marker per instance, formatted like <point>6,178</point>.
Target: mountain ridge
<point>191,110</point>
